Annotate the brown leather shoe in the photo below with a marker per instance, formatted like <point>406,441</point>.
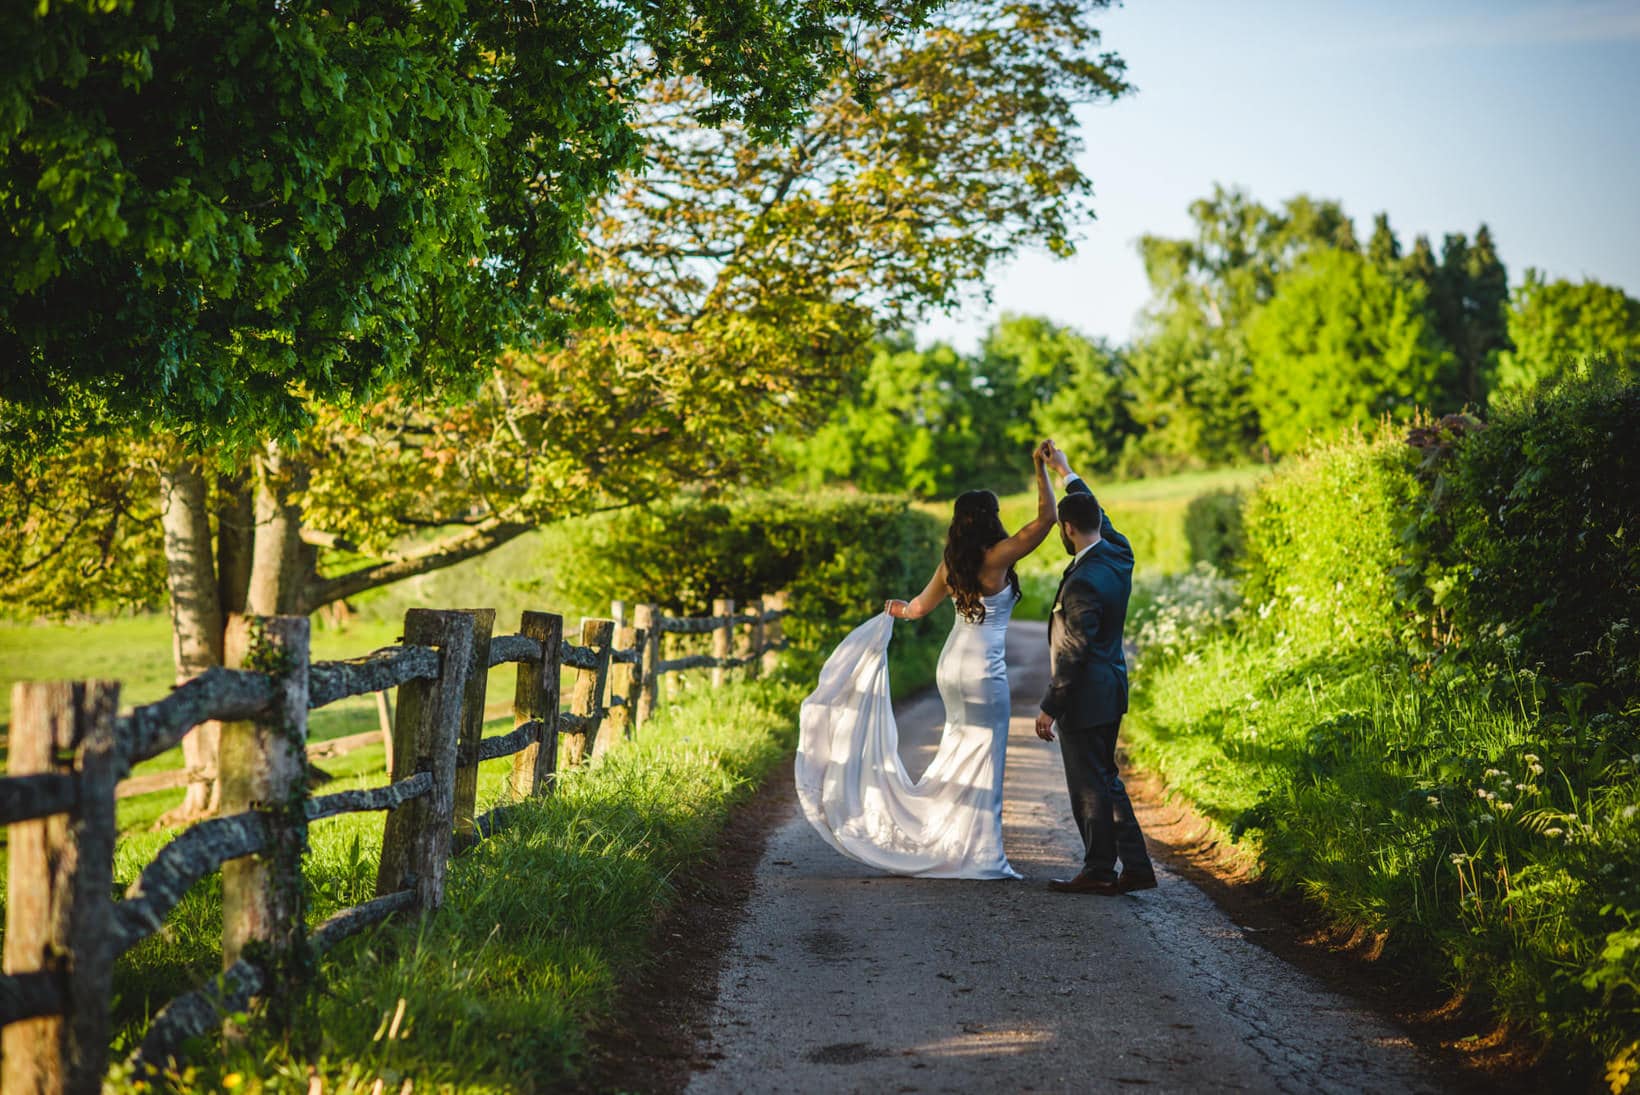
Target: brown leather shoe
<point>1136,880</point>
<point>1084,883</point>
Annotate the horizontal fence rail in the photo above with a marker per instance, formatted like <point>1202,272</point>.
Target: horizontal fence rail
<point>71,755</point>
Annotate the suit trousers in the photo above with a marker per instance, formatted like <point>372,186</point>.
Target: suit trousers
<point>1099,802</point>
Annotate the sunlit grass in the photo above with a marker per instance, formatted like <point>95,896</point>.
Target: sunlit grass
<point>501,985</point>
<point>1491,840</point>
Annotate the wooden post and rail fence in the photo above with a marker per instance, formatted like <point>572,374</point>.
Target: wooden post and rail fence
<point>70,748</point>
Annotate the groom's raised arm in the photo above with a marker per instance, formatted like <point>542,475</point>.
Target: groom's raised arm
<point>1059,462</point>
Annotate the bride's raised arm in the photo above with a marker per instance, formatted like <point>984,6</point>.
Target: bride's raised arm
<point>923,603</point>
<point>1005,553</point>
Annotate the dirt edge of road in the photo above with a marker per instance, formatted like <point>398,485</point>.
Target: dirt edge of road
<point>659,1033</point>
<point>1474,1051</point>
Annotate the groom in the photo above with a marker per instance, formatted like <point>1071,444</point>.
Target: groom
<point>1088,692</point>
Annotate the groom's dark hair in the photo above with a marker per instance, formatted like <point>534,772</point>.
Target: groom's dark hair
<point>1080,511</point>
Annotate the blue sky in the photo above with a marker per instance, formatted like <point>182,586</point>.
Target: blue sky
<point>1444,113</point>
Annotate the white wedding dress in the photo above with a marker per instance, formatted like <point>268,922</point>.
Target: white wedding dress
<point>853,785</point>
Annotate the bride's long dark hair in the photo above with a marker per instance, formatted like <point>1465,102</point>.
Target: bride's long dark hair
<point>976,525</point>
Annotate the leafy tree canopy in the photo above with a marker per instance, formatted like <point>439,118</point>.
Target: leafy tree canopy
<point>749,278</point>
<point>934,422</point>
<point>1190,367</point>
<point>1064,385</point>
<point>1556,325</point>
<point>218,214</point>
<point>1341,342</point>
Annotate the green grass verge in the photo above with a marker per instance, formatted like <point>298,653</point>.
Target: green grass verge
<point>499,988</point>
<point>1492,842</point>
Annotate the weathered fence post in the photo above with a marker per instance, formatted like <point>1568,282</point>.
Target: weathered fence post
<point>384,718</point>
<point>635,682</point>
<point>536,698</point>
<point>59,885</point>
<point>749,643</point>
<point>263,766</point>
<point>722,638</point>
<point>617,725</point>
<point>772,602</point>
<point>647,619</point>
<point>472,727</point>
<point>586,697</point>
<point>617,612</point>
<point>416,839</point>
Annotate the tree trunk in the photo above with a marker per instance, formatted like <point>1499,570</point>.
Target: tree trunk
<point>279,562</point>
<point>196,613</point>
<point>235,539</point>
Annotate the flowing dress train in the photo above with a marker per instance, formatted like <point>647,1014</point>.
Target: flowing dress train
<point>853,785</point>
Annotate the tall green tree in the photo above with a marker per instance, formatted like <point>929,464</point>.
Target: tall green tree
<point>750,280</point>
<point>1190,366</point>
<point>1048,380</point>
<point>1341,342</point>
<point>910,425</point>
<point>228,220</point>
<point>1555,326</point>
<point>1469,290</point>
<point>1383,249</point>
<point>218,214</point>
<point>1419,263</point>
<point>934,422</point>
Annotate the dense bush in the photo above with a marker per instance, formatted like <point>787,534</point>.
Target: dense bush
<point>1475,802</point>
<point>1545,515</point>
<point>1213,528</point>
<point>837,555</point>
<point>1323,538</point>
<point>1489,841</point>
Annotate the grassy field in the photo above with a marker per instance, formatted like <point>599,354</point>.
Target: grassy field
<point>136,651</point>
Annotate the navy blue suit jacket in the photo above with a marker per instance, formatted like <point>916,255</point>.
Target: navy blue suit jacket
<point>1090,682</point>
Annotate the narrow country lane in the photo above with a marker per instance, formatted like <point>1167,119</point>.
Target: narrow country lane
<point>842,980</point>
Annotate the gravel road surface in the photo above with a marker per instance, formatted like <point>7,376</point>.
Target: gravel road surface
<point>843,980</point>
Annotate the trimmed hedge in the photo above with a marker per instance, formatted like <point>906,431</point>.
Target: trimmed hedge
<point>838,555</point>
<point>1323,538</point>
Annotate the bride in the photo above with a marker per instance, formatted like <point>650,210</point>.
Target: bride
<point>850,779</point>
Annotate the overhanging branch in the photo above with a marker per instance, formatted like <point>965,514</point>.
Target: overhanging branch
<point>435,556</point>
